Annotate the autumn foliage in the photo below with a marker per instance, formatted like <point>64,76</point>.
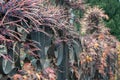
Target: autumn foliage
<point>39,41</point>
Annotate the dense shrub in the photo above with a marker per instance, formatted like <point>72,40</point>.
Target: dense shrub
<point>40,40</point>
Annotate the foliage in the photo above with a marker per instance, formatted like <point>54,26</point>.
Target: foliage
<point>91,20</point>
<point>30,73</point>
<point>23,20</point>
<point>17,20</point>
<point>111,8</point>
<point>98,59</point>
<point>38,40</point>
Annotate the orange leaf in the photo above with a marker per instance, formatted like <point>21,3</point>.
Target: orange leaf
<point>17,77</point>
<point>101,36</point>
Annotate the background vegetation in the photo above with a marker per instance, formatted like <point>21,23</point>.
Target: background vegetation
<point>112,9</point>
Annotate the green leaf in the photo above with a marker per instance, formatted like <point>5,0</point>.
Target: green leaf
<point>37,64</point>
<point>5,66</point>
<point>60,55</point>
